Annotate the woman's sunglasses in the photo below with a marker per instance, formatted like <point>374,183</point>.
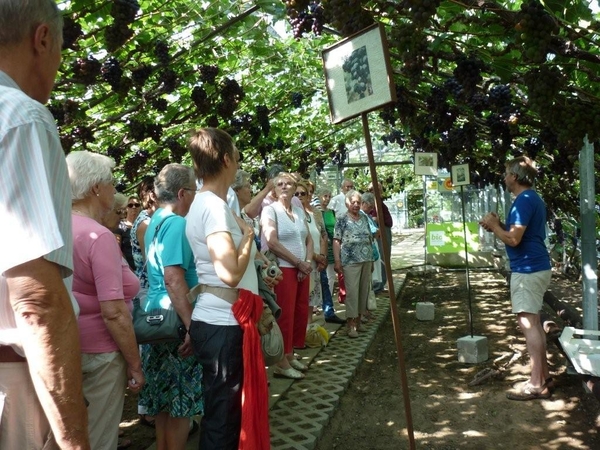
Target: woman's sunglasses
<point>300,194</point>
<point>133,205</point>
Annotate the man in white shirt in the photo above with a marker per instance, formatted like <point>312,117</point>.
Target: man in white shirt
<point>41,396</point>
<point>338,203</point>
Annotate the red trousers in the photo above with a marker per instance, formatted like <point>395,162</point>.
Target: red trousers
<point>292,297</point>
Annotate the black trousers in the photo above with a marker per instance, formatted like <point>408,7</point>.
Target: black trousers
<point>218,349</point>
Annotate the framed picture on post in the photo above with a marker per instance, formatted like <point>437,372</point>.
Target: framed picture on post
<point>426,163</point>
<point>358,74</point>
<point>461,175</point>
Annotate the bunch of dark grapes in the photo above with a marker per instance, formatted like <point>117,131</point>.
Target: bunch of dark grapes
<point>500,96</point>
<point>262,114</point>
<point>543,85</point>
<point>116,35</point>
<point>124,11</point>
<point>137,130</point>
<point>453,87</point>
<point>71,32</point>
<point>240,123</point>
<point>231,95</point>
<point>436,103</point>
<point>279,144</point>
<point>116,153</point>
<point>177,150</point>
<point>297,98</point>
<point>86,70</point>
<point>394,137</point>
<point>536,28</point>
<point>213,122</point>
<point>67,142</point>
<point>169,80</point>
<point>112,72</point>
<point>346,16</point>
<point>532,146</point>
<point>200,99</point>
<point>154,131</point>
<point>208,74</point>
<point>161,51</point>
<point>140,74</point>
<point>422,10</point>
<point>83,134</point>
<point>404,106</point>
<point>468,72</point>
<point>133,165</point>
<point>500,135</point>
<point>57,111</point>
<point>308,19</point>
<point>479,102</point>
<point>388,115</point>
<point>160,104</point>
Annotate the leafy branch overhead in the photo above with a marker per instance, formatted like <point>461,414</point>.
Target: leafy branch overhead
<point>477,81</point>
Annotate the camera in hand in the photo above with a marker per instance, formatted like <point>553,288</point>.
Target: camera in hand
<point>271,271</point>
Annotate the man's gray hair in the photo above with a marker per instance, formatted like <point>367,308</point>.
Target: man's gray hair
<point>18,18</point>
<point>524,169</point>
<point>241,178</point>
<point>170,180</point>
<point>368,198</point>
<point>87,169</point>
<point>344,181</point>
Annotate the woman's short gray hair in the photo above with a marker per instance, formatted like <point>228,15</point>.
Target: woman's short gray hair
<point>20,17</point>
<point>241,178</point>
<point>351,194</point>
<point>87,169</point>
<point>368,198</point>
<point>170,180</point>
<point>322,191</point>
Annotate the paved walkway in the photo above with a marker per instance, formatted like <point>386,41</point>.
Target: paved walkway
<point>299,411</point>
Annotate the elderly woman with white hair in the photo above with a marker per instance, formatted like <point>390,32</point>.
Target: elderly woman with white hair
<point>353,254</point>
<point>103,286</point>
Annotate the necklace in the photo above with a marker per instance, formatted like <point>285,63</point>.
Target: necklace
<point>308,219</point>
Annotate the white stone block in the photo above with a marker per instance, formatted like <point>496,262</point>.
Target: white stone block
<point>425,311</point>
<point>472,349</point>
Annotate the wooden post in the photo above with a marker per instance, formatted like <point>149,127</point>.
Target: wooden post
<point>388,271</point>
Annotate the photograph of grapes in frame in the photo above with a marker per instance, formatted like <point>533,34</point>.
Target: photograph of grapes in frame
<point>460,175</point>
<point>425,163</point>
<point>358,74</point>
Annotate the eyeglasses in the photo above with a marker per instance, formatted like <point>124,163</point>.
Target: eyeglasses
<point>190,190</point>
<point>133,205</point>
<point>355,203</point>
<point>300,194</point>
<point>284,183</point>
<point>120,211</point>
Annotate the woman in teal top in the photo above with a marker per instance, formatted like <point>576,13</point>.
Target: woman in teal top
<point>174,391</point>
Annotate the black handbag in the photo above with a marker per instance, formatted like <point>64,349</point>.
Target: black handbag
<point>158,325</point>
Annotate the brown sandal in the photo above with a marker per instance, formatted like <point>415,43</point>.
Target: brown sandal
<point>528,392</point>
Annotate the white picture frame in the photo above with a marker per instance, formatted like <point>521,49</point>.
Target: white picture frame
<point>426,163</point>
<point>461,175</point>
<point>358,74</point>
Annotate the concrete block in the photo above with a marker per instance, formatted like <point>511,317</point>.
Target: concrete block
<point>425,311</point>
<point>472,349</point>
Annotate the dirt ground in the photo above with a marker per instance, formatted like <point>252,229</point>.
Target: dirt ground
<point>447,413</point>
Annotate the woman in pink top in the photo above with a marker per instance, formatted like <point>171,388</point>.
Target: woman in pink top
<point>103,286</point>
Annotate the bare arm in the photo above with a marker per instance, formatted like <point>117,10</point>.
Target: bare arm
<point>512,237</point>
<point>230,262</point>
<point>253,208</point>
<point>44,315</point>
<point>337,248</point>
<point>270,232</point>
<point>177,289</point>
<point>117,318</point>
<point>140,233</point>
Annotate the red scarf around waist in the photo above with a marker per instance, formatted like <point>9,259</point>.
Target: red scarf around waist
<point>255,395</point>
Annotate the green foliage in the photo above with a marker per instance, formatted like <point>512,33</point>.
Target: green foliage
<point>477,82</point>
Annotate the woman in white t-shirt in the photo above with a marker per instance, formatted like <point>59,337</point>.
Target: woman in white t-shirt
<point>286,233</point>
<point>223,247</point>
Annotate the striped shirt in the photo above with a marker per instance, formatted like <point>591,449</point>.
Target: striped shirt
<point>35,195</point>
